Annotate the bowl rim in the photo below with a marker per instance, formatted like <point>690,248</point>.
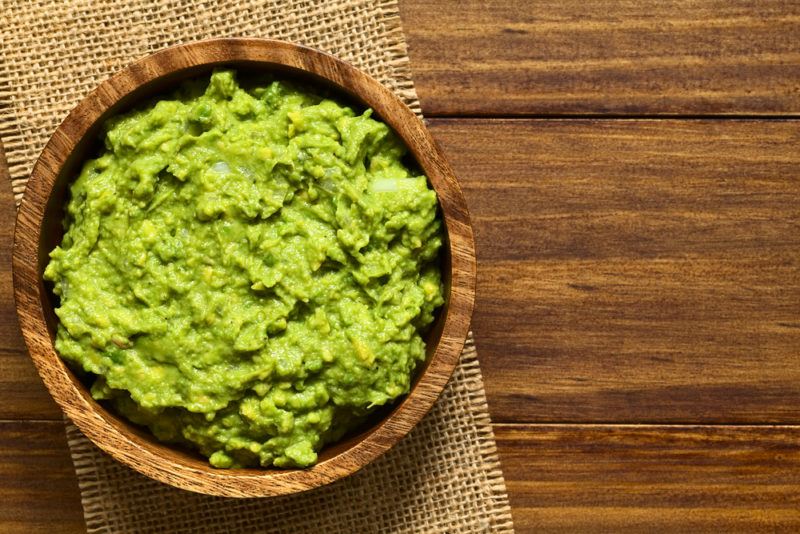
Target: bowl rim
<point>139,453</point>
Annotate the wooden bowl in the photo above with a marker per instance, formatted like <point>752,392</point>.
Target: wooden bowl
<point>38,231</point>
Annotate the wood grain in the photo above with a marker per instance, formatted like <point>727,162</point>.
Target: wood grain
<point>561,478</point>
<point>39,222</point>
<point>587,478</point>
<point>20,395</point>
<point>577,57</point>
<point>631,271</point>
<point>38,488</point>
<point>634,271</point>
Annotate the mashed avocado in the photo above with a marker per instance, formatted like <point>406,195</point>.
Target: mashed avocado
<point>247,270</point>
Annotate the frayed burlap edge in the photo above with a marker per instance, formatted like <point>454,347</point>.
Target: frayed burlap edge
<point>102,513</point>
<point>99,476</point>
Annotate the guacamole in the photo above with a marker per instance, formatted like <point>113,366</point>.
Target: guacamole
<point>247,269</point>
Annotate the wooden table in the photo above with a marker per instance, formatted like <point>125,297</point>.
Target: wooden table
<point>633,172</point>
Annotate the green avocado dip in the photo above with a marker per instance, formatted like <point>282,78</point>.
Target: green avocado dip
<point>247,270</point>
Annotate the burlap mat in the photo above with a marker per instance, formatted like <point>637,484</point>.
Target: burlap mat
<point>445,476</point>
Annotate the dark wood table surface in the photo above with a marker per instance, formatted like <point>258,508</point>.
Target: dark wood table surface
<point>633,173</point>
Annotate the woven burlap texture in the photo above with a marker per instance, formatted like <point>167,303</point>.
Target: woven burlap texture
<point>444,476</point>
